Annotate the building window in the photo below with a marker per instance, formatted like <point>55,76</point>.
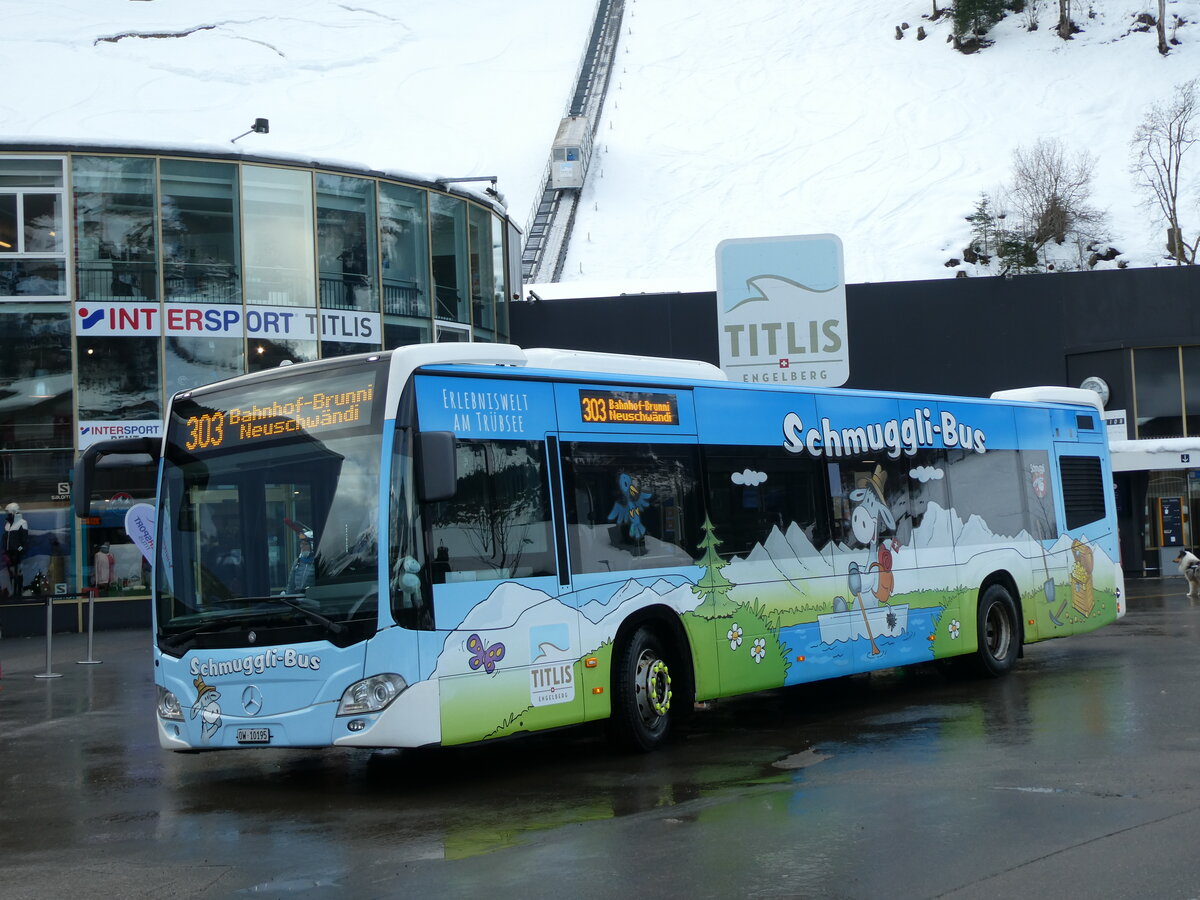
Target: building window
<point>119,379</point>
<point>35,444</point>
<point>346,244</point>
<point>201,242</point>
<point>36,412</point>
<point>347,265</point>
<point>33,262</point>
<point>499,287</point>
<point>1157,392</point>
<point>483,299</point>
<point>404,241</point>
<point>1191,389</point>
<point>194,361</point>
<point>267,353</point>
<point>115,245</point>
<point>277,215</point>
<point>448,235</point>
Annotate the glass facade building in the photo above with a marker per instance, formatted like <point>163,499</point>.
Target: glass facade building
<point>126,277</point>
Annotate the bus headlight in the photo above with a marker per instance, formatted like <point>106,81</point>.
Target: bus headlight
<point>371,694</point>
<point>168,705</point>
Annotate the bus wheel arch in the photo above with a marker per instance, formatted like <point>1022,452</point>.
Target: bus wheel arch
<point>998,625</point>
<point>653,683</point>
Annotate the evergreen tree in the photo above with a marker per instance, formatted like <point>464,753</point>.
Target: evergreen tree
<point>976,16</point>
<point>713,587</point>
<point>983,226</point>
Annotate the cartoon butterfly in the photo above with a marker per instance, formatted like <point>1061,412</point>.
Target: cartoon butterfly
<point>484,655</point>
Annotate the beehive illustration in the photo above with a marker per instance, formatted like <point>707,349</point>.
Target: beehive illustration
<point>1083,597</point>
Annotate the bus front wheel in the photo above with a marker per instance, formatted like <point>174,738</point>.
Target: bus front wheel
<point>998,631</point>
<point>641,715</point>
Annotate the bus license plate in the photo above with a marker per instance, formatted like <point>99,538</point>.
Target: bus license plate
<point>254,735</point>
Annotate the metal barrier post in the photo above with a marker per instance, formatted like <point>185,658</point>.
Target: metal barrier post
<point>91,592</point>
<point>49,632</point>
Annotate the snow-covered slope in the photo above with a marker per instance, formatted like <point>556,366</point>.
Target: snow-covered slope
<point>723,119</point>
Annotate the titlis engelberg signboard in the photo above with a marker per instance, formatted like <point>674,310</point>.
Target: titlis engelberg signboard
<point>781,310</point>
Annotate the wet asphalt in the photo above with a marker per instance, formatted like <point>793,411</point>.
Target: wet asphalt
<point>1078,775</point>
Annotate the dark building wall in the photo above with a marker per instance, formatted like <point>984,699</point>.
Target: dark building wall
<point>966,336</point>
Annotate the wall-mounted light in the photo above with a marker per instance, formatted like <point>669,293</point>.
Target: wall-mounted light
<point>260,126</point>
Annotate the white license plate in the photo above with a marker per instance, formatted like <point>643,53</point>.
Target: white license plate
<point>254,735</point>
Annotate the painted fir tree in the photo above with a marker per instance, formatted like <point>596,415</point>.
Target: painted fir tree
<point>712,587</point>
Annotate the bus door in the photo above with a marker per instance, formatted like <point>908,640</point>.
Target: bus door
<point>503,647</point>
<point>629,521</point>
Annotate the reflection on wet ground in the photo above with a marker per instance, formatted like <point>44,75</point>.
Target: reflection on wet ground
<point>827,765</point>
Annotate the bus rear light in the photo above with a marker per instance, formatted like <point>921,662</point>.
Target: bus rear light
<point>371,694</point>
<point>597,690</point>
<point>168,705</point>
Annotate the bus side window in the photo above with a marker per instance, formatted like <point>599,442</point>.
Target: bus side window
<point>497,525</point>
<point>754,490</point>
<point>632,506</point>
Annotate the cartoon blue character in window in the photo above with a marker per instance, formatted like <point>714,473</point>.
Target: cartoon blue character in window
<point>627,511</point>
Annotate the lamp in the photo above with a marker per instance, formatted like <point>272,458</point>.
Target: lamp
<point>260,126</point>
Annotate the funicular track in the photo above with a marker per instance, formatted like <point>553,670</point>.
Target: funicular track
<point>548,229</point>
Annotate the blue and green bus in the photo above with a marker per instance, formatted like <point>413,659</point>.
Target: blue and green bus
<point>444,544</point>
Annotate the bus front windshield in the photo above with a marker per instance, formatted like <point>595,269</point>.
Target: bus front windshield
<point>268,518</point>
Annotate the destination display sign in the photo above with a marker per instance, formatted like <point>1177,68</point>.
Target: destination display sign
<point>628,407</point>
<point>316,406</point>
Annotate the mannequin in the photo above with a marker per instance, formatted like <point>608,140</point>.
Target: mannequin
<point>102,568</point>
<point>16,535</point>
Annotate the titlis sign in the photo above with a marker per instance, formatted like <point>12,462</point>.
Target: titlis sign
<point>781,310</point>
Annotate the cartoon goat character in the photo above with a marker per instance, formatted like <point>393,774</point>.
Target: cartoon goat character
<point>207,707</point>
<point>870,515</point>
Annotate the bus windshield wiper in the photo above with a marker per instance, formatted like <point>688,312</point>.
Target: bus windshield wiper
<point>311,615</point>
<point>175,641</point>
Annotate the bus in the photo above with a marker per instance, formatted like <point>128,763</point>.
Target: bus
<point>444,544</point>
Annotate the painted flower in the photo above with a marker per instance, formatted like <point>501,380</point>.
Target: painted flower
<point>953,628</point>
<point>735,636</point>
<point>759,650</point>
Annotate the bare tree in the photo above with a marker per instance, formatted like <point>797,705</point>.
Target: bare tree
<point>1162,27</point>
<point>1065,26</point>
<point>1031,14</point>
<point>1167,133</point>
<point>1050,193</point>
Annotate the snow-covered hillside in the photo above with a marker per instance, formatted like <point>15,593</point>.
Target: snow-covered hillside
<point>723,120</point>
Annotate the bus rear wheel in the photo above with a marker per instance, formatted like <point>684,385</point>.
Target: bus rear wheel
<point>998,631</point>
<point>641,715</point>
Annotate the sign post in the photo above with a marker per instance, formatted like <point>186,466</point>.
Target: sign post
<point>781,310</point>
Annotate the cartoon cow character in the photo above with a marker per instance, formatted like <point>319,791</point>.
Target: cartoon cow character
<point>207,707</point>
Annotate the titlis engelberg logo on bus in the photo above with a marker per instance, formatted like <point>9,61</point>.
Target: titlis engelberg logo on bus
<point>257,664</point>
<point>895,435</point>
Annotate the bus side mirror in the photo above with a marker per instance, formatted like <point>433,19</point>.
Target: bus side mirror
<point>127,452</point>
<point>437,466</point>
